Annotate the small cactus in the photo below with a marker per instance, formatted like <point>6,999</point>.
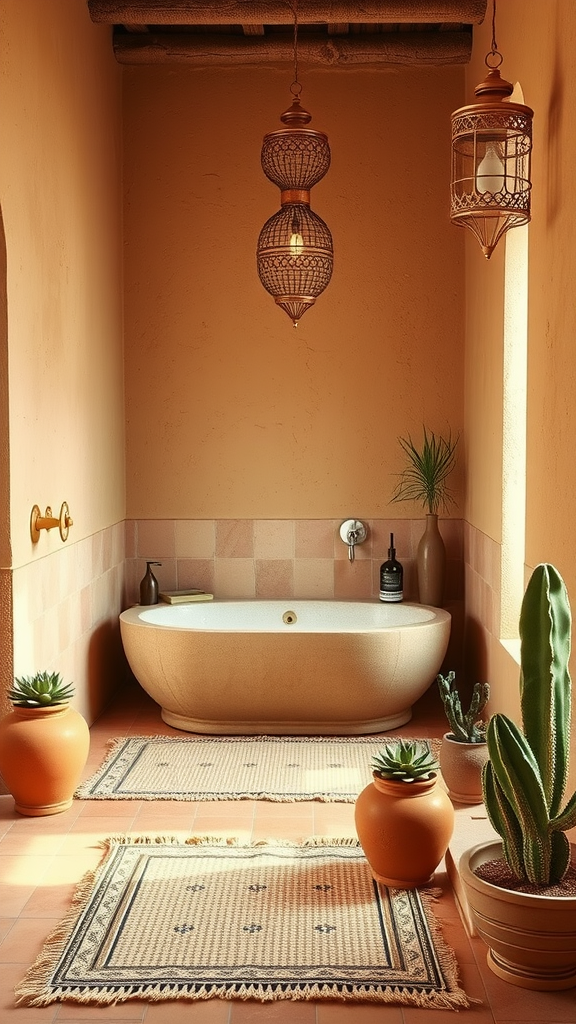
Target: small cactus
<point>469,727</point>
<point>405,761</point>
<point>41,690</point>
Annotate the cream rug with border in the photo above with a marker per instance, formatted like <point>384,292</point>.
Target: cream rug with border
<point>283,768</point>
<point>164,919</point>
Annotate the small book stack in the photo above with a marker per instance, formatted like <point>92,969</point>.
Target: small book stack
<point>184,596</point>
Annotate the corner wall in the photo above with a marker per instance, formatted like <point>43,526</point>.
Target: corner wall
<point>60,194</point>
<point>538,43</point>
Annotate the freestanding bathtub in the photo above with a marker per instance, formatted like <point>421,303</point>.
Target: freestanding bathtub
<point>285,667</point>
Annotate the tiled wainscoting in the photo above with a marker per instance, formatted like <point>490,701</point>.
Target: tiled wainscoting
<point>277,558</point>
<point>65,615</point>
<point>482,557</point>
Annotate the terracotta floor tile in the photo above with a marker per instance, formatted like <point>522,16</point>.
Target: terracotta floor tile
<point>280,1011</point>
<point>358,1013</point>
<point>185,1011</point>
<point>26,938</point>
<point>18,870</point>
<point>12,974</point>
<point>49,900</point>
<point>129,1011</point>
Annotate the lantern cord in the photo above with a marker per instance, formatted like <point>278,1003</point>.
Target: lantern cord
<point>494,58</point>
<point>295,88</point>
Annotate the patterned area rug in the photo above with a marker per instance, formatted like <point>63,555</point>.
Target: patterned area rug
<point>161,919</point>
<point>235,768</point>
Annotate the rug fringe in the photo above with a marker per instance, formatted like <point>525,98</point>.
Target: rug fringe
<point>264,993</point>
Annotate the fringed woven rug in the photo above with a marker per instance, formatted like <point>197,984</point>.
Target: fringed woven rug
<point>235,768</point>
<point>161,919</point>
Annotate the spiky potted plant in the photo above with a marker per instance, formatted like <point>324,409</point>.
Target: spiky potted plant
<point>44,744</point>
<point>464,750</point>
<point>425,480</point>
<point>404,820</point>
<point>522,891</point>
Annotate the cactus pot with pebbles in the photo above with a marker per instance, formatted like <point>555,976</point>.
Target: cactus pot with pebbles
<point>464,750</point>
<point>522,892</point>
<point>404,820</point>
<point>44,745</point>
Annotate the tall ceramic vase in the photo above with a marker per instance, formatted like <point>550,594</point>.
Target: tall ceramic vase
<point>404,829</point>
<point>431,563</point>
<point>42,754</point>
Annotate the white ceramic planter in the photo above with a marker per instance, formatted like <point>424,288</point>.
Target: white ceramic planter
<point>532,938</point>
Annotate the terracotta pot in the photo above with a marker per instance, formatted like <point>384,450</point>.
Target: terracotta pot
<point>42,754</point>
<point>431,563</point>
<point>532,938</point>
<point>404,829</point>
<point>461,765</point>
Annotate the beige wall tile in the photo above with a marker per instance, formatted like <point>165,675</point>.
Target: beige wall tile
<point>195,538</point>
<point>234,577</point>
<point>353,579</point>
<point>274,538</point>
<point>274,577</point>
<point>234,538</point>
<point>155,538</point>
<point>314,577</point>
<point>315,538</point>
<point>196,572</point>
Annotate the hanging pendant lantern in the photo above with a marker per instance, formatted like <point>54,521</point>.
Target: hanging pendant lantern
<point>491,152</point>
<point>295,253</point>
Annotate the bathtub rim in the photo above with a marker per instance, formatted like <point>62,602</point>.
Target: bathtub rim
<point>134,616</point>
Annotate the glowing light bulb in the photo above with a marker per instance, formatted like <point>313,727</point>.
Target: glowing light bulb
<point>490,173</point>
<point>296,244</point>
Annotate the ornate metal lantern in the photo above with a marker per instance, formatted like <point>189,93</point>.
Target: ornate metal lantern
<point>295,253</point>
<point>491,150</point>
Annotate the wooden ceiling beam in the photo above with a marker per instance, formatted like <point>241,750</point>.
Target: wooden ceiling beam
<point>278,12</point>
<point>386,48</point>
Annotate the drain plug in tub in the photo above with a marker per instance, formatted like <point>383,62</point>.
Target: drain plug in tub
<point>289,618</point>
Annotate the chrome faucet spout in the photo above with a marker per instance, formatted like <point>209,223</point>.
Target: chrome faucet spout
<point>353,532</point>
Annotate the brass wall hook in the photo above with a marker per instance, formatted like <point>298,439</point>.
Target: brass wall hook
<point>48,521</point>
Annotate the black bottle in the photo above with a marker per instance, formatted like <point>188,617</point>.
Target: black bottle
<point>391,576</point>
<point>149,586</point>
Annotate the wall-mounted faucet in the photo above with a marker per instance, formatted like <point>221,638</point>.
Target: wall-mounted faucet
<point>353,532</point>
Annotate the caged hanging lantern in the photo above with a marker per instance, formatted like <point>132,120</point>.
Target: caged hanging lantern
<point>491,150</point>
<point>295,253</point>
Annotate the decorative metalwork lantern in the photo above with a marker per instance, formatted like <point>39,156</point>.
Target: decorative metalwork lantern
<point>491,151</point>
<point>295,253</point>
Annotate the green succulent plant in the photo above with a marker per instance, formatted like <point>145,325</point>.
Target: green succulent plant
<point>405,761</point>
<point>425,477</point>
<point>466,727</point>
<point>43,689</point>
<point>525,777</point>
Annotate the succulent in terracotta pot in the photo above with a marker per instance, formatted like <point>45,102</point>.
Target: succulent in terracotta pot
<point>513,888</point>
<point>464,751</point>
<point>404,820</point>
<point>44,744</point>
<point>405,760</point>
<point>41,690</point>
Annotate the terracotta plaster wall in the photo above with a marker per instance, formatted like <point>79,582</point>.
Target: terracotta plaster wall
<point>538,42</point>
<point>60,192</point>
<point>231,412</point>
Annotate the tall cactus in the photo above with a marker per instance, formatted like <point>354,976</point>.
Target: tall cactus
<point>466,727</point>
<point>525,778</point>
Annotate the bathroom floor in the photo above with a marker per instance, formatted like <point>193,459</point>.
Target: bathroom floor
<point>43,859</point>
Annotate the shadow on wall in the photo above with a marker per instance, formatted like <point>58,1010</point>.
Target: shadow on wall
<point>476,654</point>
<point>6,644</point>
<point>107,667</point>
